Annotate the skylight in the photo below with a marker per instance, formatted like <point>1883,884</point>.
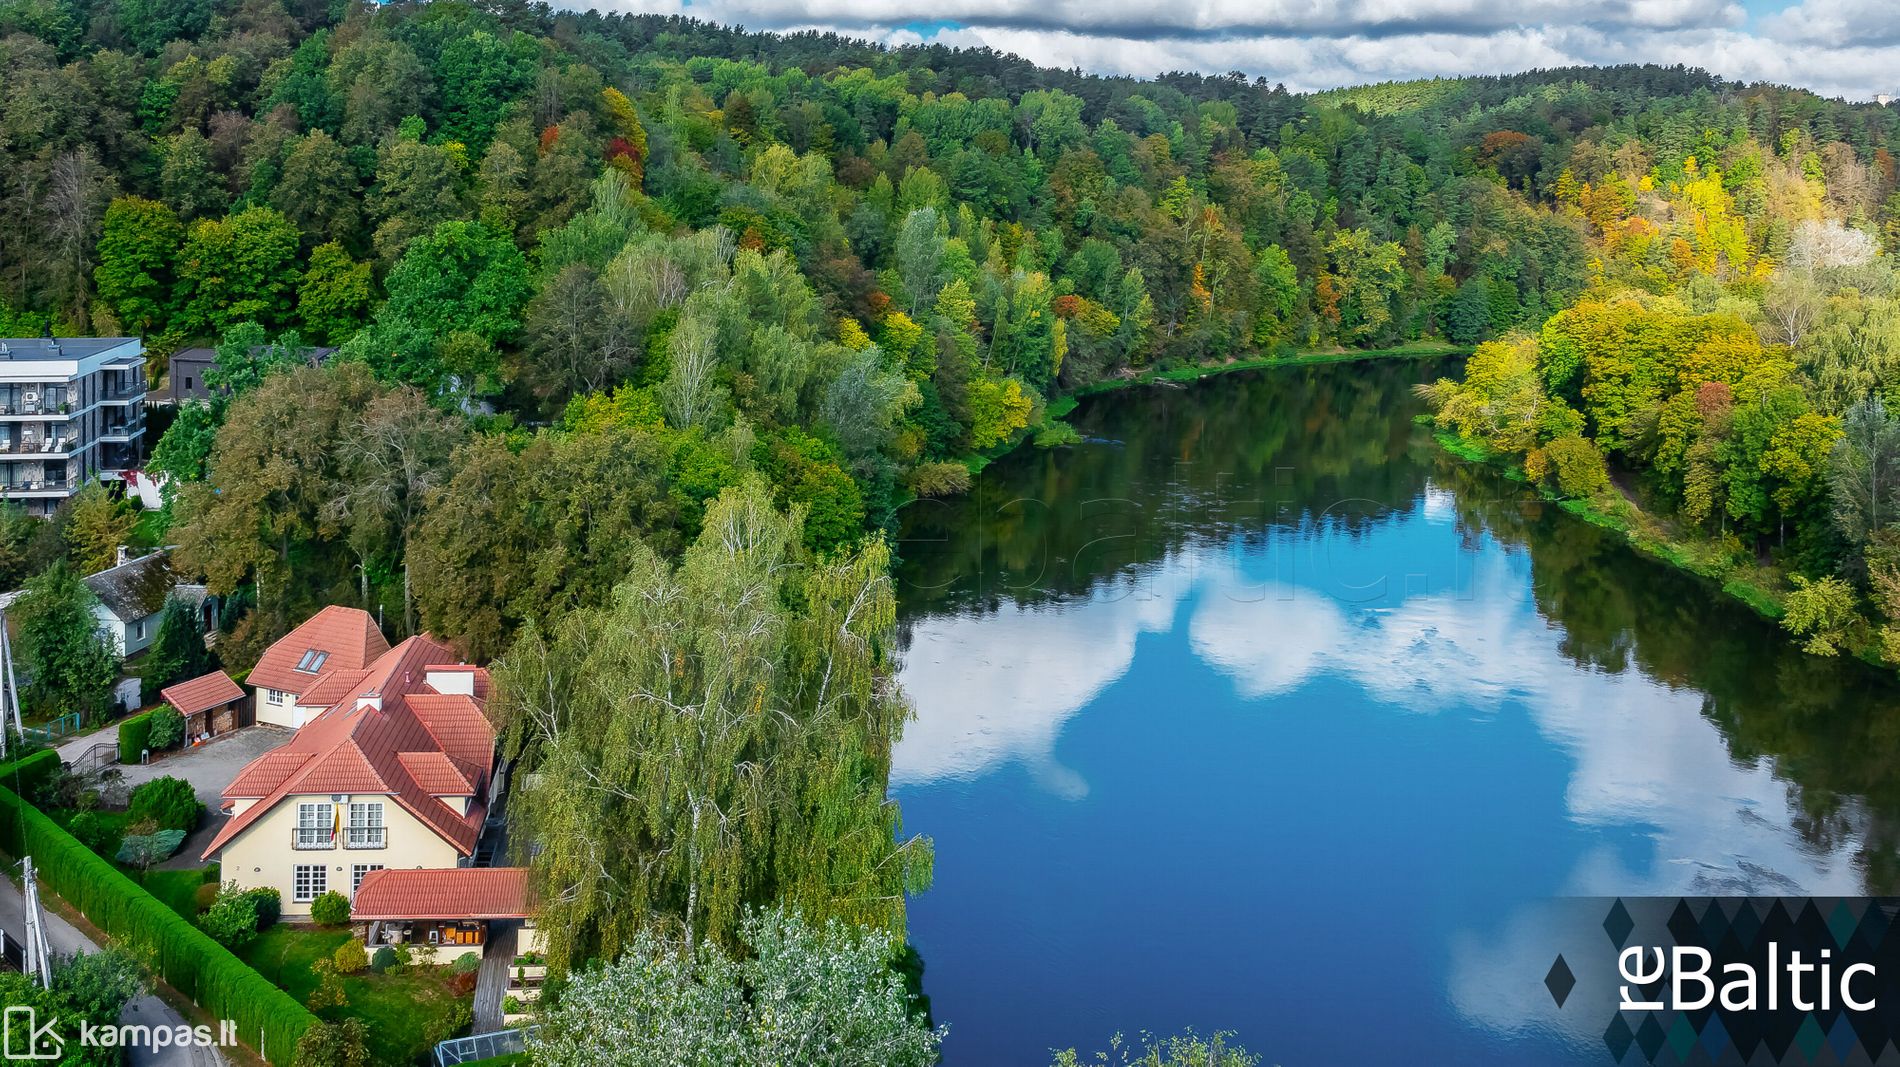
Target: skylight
<point>312,661</point>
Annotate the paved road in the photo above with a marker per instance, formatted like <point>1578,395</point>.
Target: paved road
<point>65,939</point>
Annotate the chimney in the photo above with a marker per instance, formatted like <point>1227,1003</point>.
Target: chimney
<point>122,557</point>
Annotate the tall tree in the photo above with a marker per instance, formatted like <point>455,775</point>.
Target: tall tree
<point>715,736</point>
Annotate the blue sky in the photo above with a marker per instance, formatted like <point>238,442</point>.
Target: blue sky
<point>1845,48</point>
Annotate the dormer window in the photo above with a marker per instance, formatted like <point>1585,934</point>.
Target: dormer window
<point>312,661</point>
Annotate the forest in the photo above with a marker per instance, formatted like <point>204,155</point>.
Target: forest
<point>647,328</point>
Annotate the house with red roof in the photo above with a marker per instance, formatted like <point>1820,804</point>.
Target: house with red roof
<point>312,667</point>
<point>392,771</point>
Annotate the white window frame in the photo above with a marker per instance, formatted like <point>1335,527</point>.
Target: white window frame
<point>308,881</point>
<point>275,696</point>
<point>360,871</point>
<point>365,828</point>
<point>316,825</point>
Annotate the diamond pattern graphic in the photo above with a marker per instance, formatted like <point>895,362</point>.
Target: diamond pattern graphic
<point>1560,981</point>
<point>1618,1039</point>
<point>1618,924</point>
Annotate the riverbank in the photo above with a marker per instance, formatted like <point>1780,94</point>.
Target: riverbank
<point>1762,588</point>
<point>1059,408</point>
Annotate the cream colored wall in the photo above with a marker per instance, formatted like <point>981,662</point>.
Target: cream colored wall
<point>261,855</point>
<point>284,714</point>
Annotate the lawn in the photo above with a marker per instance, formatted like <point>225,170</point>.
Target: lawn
<point>406,1013</point>
<point>178,889</point>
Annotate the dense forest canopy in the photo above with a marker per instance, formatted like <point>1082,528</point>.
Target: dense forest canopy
<point>620,300</point>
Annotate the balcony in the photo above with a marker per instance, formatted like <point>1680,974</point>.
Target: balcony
<point>365,837</point>
<point>37,446</point>
<point>306,839</point>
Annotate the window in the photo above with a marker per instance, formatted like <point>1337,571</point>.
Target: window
<point>138,630</point>
<point>366,824</point>
<point>316,826</point>
<point>357,871</point>
<point>275,696</point>
<point>312,661</point>
<point>308,881</point>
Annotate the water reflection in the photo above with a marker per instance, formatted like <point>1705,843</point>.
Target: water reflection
<point>1270,654</point>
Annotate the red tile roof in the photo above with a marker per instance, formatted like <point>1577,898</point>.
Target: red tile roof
<point>202,694</point>
<point>440,774</point>
<point>389,733</point>
<point>347,637</point>
<point>455,893</point>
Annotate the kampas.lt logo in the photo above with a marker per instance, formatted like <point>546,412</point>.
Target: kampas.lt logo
<point>24,1037</point>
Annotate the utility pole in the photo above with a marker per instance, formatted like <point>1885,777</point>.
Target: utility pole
<point>38,959</point>
<point>9,692</point>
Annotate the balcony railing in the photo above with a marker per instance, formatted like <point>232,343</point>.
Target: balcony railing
<point>365,837</point>
<point>304,838</point>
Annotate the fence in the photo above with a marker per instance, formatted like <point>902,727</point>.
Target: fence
<point>477,1047</point>
<point>54,729</point>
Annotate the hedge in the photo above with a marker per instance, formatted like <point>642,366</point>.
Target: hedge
<point>26,774</point>
<point>135,733</point>
<point>267,1018</point>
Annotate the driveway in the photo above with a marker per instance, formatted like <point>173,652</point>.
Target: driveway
<point>211,766</point>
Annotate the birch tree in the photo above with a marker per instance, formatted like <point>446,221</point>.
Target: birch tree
<point>716,736</point>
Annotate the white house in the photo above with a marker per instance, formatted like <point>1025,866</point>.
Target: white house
<point>132,597</point>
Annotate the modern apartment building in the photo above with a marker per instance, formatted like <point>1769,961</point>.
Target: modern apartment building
<point>70,408</point>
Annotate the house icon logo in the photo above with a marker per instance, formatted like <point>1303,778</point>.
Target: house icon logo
<point>24,1039</point>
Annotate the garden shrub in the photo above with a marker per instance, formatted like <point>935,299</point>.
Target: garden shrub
<point>146,850</point>
<point>91,830</point>
<point>384,959</point>
<point>344,1043</point>
<point>166,729</point>
<point>231,920</point>
<point>466,963</point>
<point>330,909</point>
<point>170,802</point>
<point>270,905</point>
<point>350,957</point>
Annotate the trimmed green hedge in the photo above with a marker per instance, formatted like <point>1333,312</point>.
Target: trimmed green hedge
<point>135,736</point>
<point>267,1018</point>
<point>28,773</point>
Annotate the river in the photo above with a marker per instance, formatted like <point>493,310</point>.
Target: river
<point>1258,712</point>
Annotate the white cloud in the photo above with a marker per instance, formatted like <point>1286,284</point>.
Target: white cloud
<point>1846,48</point>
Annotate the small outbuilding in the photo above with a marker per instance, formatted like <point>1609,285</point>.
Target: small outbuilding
<point>211,704</point>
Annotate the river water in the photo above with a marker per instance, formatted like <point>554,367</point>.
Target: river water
<point>1257,712</point>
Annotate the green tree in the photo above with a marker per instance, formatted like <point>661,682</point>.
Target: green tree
<point>138,250</point>
<point>319,191</point>
<point>69,664</point>
<point>1821,611</point>
<point>462,278</point>
<point>90,989</point>
<point>259,514</point>
<point>178,650</point>
<point>97,527</point>
<point>184,449</point>
<point>334,297</point>
<point>728,747</point>
<point>237,269</point>
<point>799,988</point>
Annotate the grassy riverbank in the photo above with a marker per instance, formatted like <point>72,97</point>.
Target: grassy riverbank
<point>1762,588</point>
<point>1062,406</point>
